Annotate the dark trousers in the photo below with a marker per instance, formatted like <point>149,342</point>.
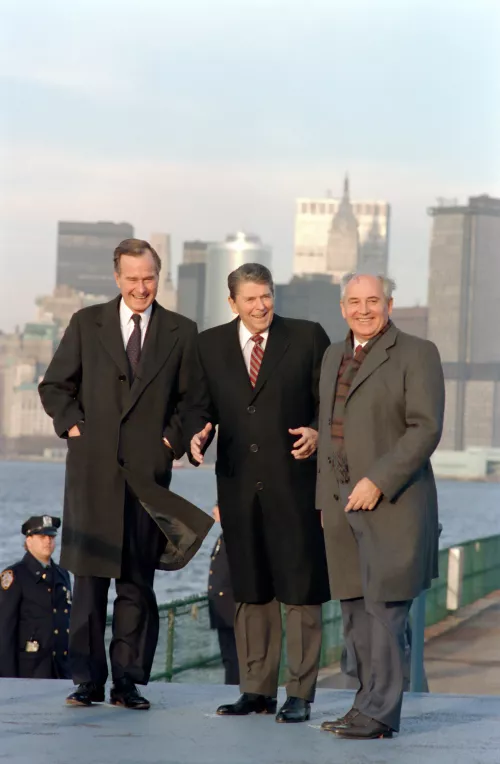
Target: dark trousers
<point>375,635</point>
<point>135,612</point>
<point>227,644</point>
<point>258,631</point>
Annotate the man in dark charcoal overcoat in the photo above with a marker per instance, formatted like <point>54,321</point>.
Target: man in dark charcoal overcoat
<point>257,379</point>
<point>115,390</point>
<point>381,417</point>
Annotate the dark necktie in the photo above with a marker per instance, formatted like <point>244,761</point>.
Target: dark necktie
<point>134,345</point>
<point>256,358</point>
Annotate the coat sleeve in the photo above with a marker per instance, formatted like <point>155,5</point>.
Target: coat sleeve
<point>10,601</point>
<point>61,384</point>
<point>321,343</point>
<point>173,430</point>
<point>424,412</point>
<point>200,408</point>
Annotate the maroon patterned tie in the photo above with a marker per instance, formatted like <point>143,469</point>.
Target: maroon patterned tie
<point>134,345</point>
<point>256,358</point>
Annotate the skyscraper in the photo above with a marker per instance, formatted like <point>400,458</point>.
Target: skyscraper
<point>326,233</point>
<point>166,296</point>
<point>464,279</point>
<point>85,255</point>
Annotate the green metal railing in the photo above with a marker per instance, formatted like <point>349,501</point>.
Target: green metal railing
<point>188,650</point>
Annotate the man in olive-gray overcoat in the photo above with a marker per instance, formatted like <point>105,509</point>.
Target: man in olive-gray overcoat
<point>381,417</point>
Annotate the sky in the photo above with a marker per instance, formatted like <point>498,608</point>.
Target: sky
<point>201,117</point>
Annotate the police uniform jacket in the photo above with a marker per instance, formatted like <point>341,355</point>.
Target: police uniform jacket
<point>221,605</point>
<point>35,605</point>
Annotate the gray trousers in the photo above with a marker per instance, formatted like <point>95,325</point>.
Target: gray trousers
<point>258,631</point>
<point>375,633</point>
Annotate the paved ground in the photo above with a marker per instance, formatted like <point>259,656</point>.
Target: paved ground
<point>181,728</point>
<point>467,658</point>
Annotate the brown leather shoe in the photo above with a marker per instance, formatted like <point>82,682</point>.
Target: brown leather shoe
<point>343,721</point>
<point>124,693</point>
<point>362,727</point>
<point>249,703</point>
<point>86,694</point>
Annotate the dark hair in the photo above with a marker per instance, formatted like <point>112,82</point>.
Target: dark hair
<point>249,272</point>
<point>135,248</point>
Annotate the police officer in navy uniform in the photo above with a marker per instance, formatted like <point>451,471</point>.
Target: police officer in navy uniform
<point>35,605</point>
<point>221,606</point>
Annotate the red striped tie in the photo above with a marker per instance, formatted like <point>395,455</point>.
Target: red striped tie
<point>256,358</point>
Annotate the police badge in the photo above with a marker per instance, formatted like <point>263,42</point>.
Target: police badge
<point>47,521</point>
<point>6,579</point>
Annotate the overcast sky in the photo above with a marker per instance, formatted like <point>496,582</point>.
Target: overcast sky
<point>199,117</point>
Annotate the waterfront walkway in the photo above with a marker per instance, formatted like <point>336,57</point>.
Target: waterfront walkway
<point>181,728</point>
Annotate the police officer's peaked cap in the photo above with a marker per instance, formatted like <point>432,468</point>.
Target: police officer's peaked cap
<point>41,524</point>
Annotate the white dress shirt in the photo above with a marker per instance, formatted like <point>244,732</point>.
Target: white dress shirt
<point>127,325</point>
<point>247,344</point>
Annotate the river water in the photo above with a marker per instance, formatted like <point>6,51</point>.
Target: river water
<point>467,511</point>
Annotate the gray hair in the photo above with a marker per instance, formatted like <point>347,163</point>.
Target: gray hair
<point>388,285</point>
<point>249,272</point>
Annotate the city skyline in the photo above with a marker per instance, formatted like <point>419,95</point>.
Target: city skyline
<point>175,124</point>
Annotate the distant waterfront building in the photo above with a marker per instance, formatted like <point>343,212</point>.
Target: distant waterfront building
<point>167,296</point>
<point>314,298</point>
<point>191,291</point>
<point>464,295</point>
<point>59,306</point>
<point>85,255</point>
<point>195,251</point>
<point>411,320</point>
<point>327,239</point>
<point>223,258</point>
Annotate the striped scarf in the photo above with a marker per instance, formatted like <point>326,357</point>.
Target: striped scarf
<point>349,367</point>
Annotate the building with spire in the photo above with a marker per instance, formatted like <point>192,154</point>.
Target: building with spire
<point>334,236</point>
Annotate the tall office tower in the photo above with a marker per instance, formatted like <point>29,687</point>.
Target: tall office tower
<point>85,255</point>
<point>195,251</point>
<point>464,294</point>
<point>223,258</point>
<point>315,298</point>
<point>166,296</point>
<point>191,281</point>
<point>328,241</point>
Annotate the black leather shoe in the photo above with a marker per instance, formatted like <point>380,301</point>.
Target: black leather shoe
<point>361,727</point>
<point>249,703</point>
<point>124,693</point>
<point>86,694</point>
<point>343,721</point>
<point>294,710</point>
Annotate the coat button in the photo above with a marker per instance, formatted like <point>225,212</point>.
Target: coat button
<point>56,631</point>
<point>121,462</point>
<point>254,448</point>
<point>54,653</point>
<point>65,652</point>
<point>336,496</point>
<point>54,611</point>
<point>65,612</point>
<point>221,594</point>
<point>209,587</point>
<point>122,378</point>
<point>251,409</point>
<point>259,486</point>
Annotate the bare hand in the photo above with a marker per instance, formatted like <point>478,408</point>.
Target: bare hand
<point>364,495</point>
<point>198,441</point>
<point>74,432</point>
<point>216,513</point>
<point>306,445</point>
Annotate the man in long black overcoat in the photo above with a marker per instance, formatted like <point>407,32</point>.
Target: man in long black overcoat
<point>115,390</point>
<point>257,379</point>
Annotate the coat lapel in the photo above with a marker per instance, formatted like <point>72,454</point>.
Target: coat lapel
<point>276,346</point>
<point>375,358</point>
<point>110,334</point>
<point>161,338</point>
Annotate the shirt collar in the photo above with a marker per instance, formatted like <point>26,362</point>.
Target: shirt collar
<point>126,314</point>
<point>246,334</point>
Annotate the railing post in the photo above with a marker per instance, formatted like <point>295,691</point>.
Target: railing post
<point>417,674</point>
<point>169,666</point>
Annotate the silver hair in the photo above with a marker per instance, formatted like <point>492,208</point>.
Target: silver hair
<point>388,285</point>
